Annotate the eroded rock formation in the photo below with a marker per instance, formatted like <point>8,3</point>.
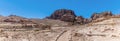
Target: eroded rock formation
<point>64,15</point>
<point>99,15</point>
<point>16,22</point>
<point>69,16</point>
<point>79,20</point>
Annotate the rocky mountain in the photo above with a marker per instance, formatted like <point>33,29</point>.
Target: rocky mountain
<point>62,25</point>
<point>64,15</point>
<point>69,16</point>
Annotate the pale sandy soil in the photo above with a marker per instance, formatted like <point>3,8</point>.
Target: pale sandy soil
<point>106,30</point>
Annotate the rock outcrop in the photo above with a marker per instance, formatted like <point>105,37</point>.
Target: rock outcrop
<point>99,15</point>
<point>15,19</point>
<point>64,15</point>
<point>79,20</point>
<point>69,16</point>
<point>16,22</point>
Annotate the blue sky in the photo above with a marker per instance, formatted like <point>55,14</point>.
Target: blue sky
<point>43,8</point>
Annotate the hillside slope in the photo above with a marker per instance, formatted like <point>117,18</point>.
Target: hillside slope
<point>98,30</point>
<point>106,30</point>
<point>62,25</point>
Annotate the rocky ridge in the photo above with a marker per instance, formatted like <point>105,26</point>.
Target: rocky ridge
<point>69,16</point>
<point>20,23</point>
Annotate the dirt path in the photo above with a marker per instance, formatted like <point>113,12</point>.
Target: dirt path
<point>67,35</point>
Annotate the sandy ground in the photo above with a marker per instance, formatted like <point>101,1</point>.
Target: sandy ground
<point>106,30</point>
